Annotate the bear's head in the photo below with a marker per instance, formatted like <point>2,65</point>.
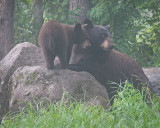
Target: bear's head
<point>99,36</point>
<point>81,36</point>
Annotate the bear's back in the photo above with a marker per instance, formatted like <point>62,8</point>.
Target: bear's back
<point>52,29</point>
<point>124,66</point>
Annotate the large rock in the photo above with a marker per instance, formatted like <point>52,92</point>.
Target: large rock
<point>23,54</point>
<point>154,77</point>
<point>30,83</point>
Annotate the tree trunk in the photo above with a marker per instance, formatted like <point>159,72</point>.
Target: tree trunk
<point>37,17</point>
<point>83,5</point>
<point>6,26</point>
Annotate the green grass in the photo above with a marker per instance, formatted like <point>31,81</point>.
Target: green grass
<point>129,110</point>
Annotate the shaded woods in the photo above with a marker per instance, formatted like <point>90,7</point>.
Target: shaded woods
<point>135,29</point>
<point>135,25</point>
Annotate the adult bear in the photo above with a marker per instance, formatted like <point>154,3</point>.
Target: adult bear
<point>106,64</point>
<point>56,39</point>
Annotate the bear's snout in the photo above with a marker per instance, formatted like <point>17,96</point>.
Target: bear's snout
<point>107,44</point>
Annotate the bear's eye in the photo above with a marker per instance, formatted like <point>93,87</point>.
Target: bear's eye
<point>104,35</point>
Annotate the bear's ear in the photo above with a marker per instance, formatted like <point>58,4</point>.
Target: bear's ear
<point>87,24</point>
<point>108,27</point>
<point>78,27</point>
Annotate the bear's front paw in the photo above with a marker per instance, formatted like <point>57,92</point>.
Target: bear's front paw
<point>75,67</point>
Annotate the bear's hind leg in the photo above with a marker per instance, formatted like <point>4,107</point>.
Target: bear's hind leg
<point>49,59</point>
<point>62,54</point>
<point>63,60</point>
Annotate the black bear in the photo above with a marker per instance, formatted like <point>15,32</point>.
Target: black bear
<point>106,64</point>
<point>56,39</point>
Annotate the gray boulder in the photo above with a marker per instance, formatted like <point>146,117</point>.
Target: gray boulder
<point>38,83</point>
<point>23,54</point>
<point>154,77</point>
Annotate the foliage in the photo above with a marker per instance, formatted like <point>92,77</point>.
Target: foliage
<point>58,10</point>
<point>148,40</point>
<point>128,19</point>
<point>23,18</point>
<point>135,25</point>
<point>23,22</point>
<point>128,111</point>
<point>120,15</point>
<point>132,109</point>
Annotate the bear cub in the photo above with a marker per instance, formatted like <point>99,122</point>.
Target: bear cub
<point>57,39</point>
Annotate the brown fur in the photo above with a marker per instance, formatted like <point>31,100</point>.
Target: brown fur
<point>110,66</point>
<point>107,65</point>
<point>56,39</point>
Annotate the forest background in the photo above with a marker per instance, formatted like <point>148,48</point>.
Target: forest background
<point>135,24</point>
